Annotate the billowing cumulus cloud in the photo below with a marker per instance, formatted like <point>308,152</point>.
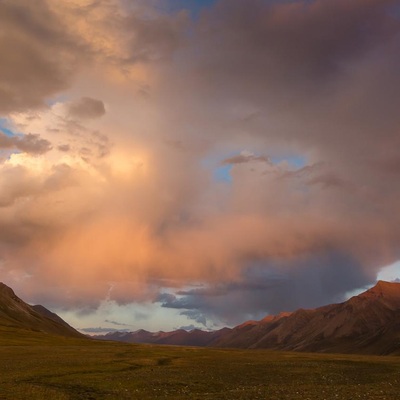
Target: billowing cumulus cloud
<point>128,115</point>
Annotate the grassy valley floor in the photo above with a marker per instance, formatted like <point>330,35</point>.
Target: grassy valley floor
<point>33,367</point>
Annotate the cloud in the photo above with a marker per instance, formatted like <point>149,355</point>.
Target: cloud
<point>86,107</point>
<point>29,143</point>
<point>279,41</point>
<point>271,288</point>
<point>196,316</point>
<point>47,44</point>
<point>39,54</point>
<point>188,328</point>
<point>245,157</point>
<point>101,330</point>
<point>154,39</point>
<point>128,201</point>
<point>64,147</point>
<point>190,310</point>
<point>116,323</point>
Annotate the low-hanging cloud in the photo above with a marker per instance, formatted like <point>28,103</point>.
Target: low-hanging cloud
<point>271,288</point>
<point>102,330</point>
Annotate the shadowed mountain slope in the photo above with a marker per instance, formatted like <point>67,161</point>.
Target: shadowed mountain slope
<point>16,314</point>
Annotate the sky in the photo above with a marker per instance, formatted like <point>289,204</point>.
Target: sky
<point>170,163</point>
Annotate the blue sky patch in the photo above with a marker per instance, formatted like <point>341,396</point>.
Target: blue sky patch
<point>296,161</point>
<point>61,98</point>
<point>193,6</point>
<point>223,174</point>
<point>5,127</point>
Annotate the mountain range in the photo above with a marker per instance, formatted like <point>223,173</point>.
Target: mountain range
<point>180,337</point>
<point>367,324</point>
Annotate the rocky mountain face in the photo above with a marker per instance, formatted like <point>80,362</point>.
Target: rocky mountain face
<point>15,313</point>
<point>367,324</point>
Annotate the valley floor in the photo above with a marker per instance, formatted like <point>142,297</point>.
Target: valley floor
<point>82,369</point>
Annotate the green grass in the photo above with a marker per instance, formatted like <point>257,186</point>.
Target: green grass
<point>45,367</point>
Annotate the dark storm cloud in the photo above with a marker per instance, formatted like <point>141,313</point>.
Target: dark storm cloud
<point>316,72</point>
<point>271,288</point>
<point>186,303</point>
<point>296,41</point>
<point>195,315</point>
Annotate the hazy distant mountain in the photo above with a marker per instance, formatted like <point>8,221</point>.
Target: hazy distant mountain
<point>180,337</point>
<point>15,313</point>
<point>368,323</point>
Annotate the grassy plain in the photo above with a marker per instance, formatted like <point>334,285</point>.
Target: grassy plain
<point>37,367</point>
